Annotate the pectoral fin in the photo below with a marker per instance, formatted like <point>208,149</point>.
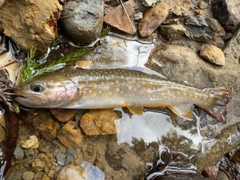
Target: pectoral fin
<point>136,109</point>
<point>183,110</point>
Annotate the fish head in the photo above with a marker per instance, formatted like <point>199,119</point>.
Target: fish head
<point>52,91</point>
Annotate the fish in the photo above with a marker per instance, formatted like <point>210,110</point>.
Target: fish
<point>112,88</point>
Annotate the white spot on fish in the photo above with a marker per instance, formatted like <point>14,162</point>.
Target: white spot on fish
<point>117,89</point>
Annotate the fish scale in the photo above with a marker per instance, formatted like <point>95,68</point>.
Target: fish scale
<point>110,88</point>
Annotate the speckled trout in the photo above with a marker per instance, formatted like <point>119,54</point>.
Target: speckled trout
<point>110,88</point>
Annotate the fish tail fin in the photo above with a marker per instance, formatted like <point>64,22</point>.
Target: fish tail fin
<point>218,107</point>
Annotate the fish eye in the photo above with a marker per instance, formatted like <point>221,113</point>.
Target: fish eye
<point>37,87</point>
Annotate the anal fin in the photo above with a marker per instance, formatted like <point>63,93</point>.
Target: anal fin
<point>136,109</point>
<point>183,110</point>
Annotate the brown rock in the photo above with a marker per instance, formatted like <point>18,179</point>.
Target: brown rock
<point>30,22</point>
<point>43,122</point>
<point>153,18</point>
<point>172,32</point>
<point>120,20</point>
<point>215,26</point>
<point>97,122</point>
<point>63,116</point>
<point>70,136</point>
<point>212,54</point>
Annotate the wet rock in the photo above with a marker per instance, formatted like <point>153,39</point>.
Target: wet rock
<point>2,127</point>
<point>97,122</point>
<point>32,142</point>
<point>18,152</point>
<point>198,29</point>
<point>70,135</point>
<point>120,20</point>
<point>28,175</point>
<point>212,54</point>
<point>31,22</point>
<point>43,162</point>
<point>172,32</point>
<point>227,12</point>
<point>153,18</point>
<point>63,116</point>
<point>83,20</point>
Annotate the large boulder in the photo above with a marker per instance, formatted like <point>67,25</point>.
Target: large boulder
<point>30,22</point>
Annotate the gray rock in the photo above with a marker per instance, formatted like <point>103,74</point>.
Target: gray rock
<point>69,159</point>
<point>83,20</point>
<point>198,29</point>
<point>72,152</point>
<point>19,152</point>
<point>60,157</point>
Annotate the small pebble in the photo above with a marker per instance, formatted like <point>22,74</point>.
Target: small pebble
<point>18,152</point>
<point>70,136</point>
<point>32,142</point>
<point>212,54</point>
<point>60,157</point>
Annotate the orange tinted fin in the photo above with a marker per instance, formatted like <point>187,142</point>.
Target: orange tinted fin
<point>183,110</point>
<point>136,109</point>
<point>218,107</point>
